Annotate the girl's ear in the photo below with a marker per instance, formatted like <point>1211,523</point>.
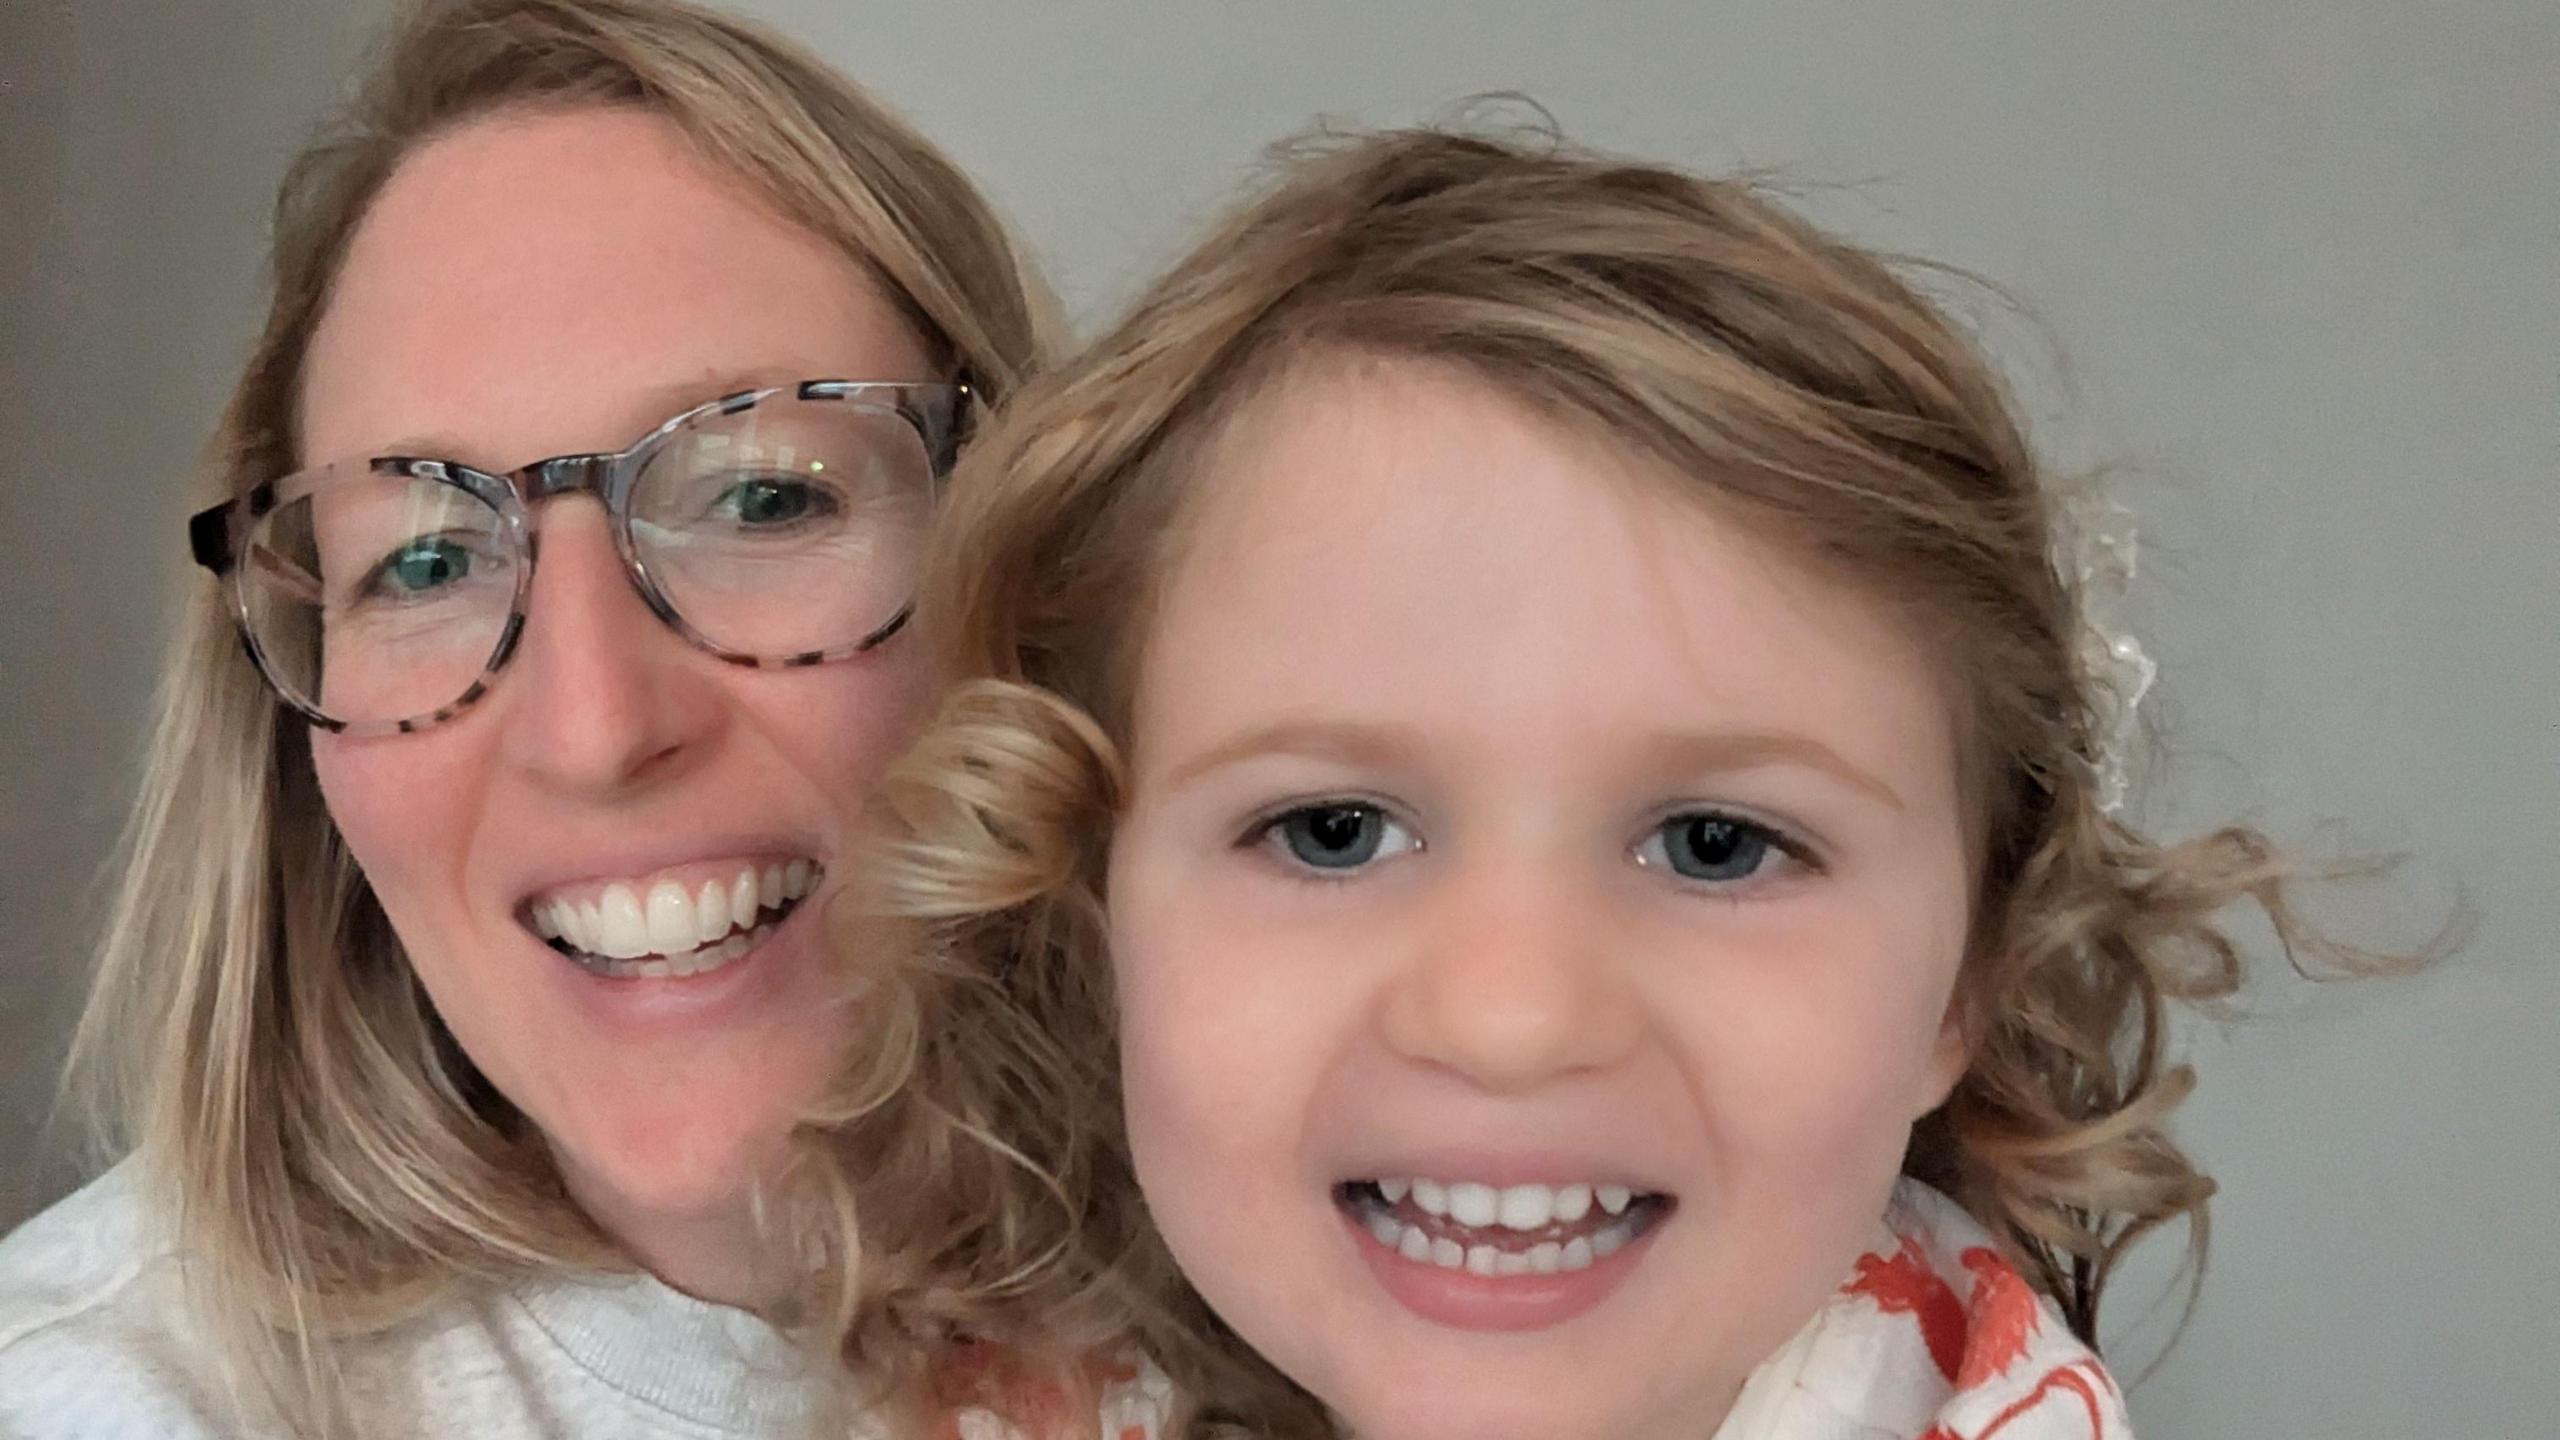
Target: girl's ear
<point>1950,1055</point>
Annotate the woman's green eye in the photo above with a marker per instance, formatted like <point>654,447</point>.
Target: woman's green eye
<point>1338,835</point>
<point>1706,846</point>
<point>426,564</point>
<point>767,501</point>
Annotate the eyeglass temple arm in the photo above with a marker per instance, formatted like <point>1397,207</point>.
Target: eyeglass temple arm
<point>209,537</point>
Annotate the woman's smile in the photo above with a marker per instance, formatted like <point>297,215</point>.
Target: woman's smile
<point>679,922</point>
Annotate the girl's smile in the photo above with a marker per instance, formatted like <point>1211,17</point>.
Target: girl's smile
<point>1479,1255</point>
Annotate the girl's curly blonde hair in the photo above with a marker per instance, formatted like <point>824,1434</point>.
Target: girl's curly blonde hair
<point>1800,386</point>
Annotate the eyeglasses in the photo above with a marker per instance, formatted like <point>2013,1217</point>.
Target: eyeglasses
<point>772,528</point>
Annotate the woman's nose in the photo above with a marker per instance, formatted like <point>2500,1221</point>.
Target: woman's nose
<point>606,696</point>
<point>1510,981</point>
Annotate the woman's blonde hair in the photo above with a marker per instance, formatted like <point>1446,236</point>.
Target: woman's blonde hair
<point>1797,385</point>
<point>255,1036</point>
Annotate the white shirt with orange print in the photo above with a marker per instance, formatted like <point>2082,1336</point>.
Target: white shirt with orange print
<point>1935,1336</point>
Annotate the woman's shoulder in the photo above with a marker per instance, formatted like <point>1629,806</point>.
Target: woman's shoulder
<point>85,1255</point>
<point>91,1324</point>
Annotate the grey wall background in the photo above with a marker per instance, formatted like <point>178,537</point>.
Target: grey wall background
<point>2297,271</point>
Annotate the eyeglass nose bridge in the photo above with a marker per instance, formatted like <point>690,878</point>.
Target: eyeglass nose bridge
<point>590,474</point>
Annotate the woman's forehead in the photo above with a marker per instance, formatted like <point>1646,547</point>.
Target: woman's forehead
<point>542,282</point>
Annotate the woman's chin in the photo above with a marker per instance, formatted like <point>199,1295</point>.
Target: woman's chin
<point>669,1179</point>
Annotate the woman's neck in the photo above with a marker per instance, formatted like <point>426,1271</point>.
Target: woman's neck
<point>721,1255</point>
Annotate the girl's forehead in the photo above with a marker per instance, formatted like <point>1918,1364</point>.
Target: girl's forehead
<point>1379,538</point>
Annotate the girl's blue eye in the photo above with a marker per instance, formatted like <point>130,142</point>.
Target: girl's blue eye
<point>1702,845</point>
<point>427,563</point>
<point>1338,835</point>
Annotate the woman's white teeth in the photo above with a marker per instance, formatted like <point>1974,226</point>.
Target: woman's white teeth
<point>622,930</point>
<point>711,913</point>
<point>624,923</point>
<point>671,920</point>
<point>692,962</point>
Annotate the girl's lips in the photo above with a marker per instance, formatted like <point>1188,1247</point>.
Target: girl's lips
<point>1498,1278</point>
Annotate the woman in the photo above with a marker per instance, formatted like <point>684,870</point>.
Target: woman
<point>465,979</point>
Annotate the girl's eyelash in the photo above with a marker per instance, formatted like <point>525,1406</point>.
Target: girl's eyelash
<point>1777,839</point>
<point>1263,834</point>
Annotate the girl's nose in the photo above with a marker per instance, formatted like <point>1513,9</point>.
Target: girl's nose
<point>1509,982</point>
<point>605,695</point>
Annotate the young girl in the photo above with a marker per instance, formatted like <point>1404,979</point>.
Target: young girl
<point>1521,762</point>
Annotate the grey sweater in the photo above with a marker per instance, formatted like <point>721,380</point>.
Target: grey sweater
<point>94,1343</point>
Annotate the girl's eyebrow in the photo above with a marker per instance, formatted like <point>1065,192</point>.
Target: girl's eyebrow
<point>1352,742</point>
<point>1680,751</point>
<point>1726,750</point>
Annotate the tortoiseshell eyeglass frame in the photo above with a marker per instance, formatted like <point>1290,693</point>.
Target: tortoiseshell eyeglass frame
<point>939,413</point>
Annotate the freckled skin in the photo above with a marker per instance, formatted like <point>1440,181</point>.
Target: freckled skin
<point>556,282</point>
<point>1539,654</point>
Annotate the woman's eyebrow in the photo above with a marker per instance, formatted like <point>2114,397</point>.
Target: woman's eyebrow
<point>655,406</point>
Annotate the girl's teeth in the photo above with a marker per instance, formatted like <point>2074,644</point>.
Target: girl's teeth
<point>1524,1208</point>
<point>1535,1207</point>
<point>1477,1206</point>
